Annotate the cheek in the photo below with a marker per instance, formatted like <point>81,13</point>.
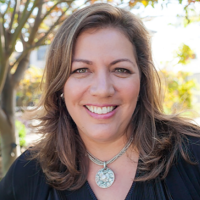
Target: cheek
<point>70,93</point>
<point>130,90</point>
<point>73,91</point>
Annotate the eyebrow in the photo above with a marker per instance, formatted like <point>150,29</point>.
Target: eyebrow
<point>83,61</point>
<point>88,62</point>
<point>121,60</point>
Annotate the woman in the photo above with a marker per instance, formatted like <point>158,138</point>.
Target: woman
<point>105,134</point>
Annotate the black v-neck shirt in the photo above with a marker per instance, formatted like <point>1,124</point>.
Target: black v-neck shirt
<point>93,196</point>
<point>153,190</point>
<point>26,181</point>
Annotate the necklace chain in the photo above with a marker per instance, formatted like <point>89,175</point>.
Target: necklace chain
<point>105,163</point>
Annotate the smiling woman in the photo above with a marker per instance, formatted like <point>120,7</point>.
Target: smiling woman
<point>105,135</point>
<point>103,65</point>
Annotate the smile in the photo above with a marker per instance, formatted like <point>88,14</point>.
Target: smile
<point>101,110</point>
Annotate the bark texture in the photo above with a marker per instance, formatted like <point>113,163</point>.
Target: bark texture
<point>10,148</point>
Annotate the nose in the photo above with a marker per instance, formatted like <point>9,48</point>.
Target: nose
<point>102,85</point>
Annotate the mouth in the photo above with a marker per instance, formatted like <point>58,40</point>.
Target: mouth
<point>101,110</point>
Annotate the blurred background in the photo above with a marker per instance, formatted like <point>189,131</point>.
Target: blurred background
<point>27,27</point>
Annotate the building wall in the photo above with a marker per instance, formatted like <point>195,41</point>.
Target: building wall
<point>38,57</point>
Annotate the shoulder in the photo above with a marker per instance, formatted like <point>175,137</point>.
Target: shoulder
<point>191,148</point>
<point>194,147</point>
<point>183,177</point>
<point>24,180</point>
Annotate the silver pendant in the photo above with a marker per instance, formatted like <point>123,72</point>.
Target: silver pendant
<point>105,177</point>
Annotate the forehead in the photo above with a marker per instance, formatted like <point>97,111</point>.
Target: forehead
<point>108,29</point>
<point>105,40</point>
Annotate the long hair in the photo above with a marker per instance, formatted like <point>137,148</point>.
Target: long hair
<point>62,153</point>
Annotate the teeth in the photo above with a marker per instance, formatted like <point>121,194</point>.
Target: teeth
<point>104,110</point>
<point>100,110</point>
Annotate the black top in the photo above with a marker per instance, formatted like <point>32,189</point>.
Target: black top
<point>26,181</point>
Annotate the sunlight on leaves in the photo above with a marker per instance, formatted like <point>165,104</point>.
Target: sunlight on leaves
<point>178,90</point>
<point>185,54</point>
<point>145,3</point>
<point>28,92</point>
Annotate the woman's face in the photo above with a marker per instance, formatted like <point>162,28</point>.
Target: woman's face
<point>102,91</point>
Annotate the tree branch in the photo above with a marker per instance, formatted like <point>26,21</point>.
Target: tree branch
<point>1,38</point>
<point>51,9</point>
<point>8,6</point>
<point>51,28</point>
<point>23,54</point>
<point>25,9</point>
<point>5,33</point>
<point>47,13</point>
<point>3,121</point>
<point>39,3</point>
<point>20,57</point>
<point>36,25</point>
<point>13,16</point>
<point>22,66</point>
<point>18,14</point>
<point>38,43</point>
<point>23,20</point>
<point>22,39</point>
<point>3,73</point>
<point>60,21</point>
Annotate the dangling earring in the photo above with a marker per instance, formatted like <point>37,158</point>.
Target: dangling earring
<point>62,96</point>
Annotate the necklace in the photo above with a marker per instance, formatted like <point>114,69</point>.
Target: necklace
<point>105,177</point>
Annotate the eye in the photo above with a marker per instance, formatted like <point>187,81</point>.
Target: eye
<point>122,70</point>
<point>82,70</point>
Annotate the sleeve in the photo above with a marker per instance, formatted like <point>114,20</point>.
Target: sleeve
<point>24,181</point>
<point>183,179</point>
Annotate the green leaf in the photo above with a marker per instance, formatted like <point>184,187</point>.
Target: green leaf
<point>185,54</point>
<point>21,130</point>
<point>11,10</point>
<point>178,90</point>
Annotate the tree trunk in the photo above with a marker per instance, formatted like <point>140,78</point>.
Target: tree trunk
<point>10,148</point>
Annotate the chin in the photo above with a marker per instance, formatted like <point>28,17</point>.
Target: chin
<point>102,135</point>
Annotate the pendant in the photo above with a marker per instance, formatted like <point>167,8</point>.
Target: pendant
<point>105,177</point>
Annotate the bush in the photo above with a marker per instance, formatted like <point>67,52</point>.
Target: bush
<point>178,90</point>
<point>28,92</point>
<point>21,130</point>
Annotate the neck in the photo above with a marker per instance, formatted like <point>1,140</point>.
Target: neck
<point>106,150</point>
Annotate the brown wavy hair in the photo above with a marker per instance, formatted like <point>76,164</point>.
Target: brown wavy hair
<point>158,137</point>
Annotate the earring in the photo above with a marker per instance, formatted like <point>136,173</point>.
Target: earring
<point>62,96</point>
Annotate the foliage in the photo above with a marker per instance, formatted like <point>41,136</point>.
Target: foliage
<point>21,130</point>
<point>185,54</point>
<point>145,3</point>
<point>28,92</point>
<point>178,90</point>
<point>187,4</point>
